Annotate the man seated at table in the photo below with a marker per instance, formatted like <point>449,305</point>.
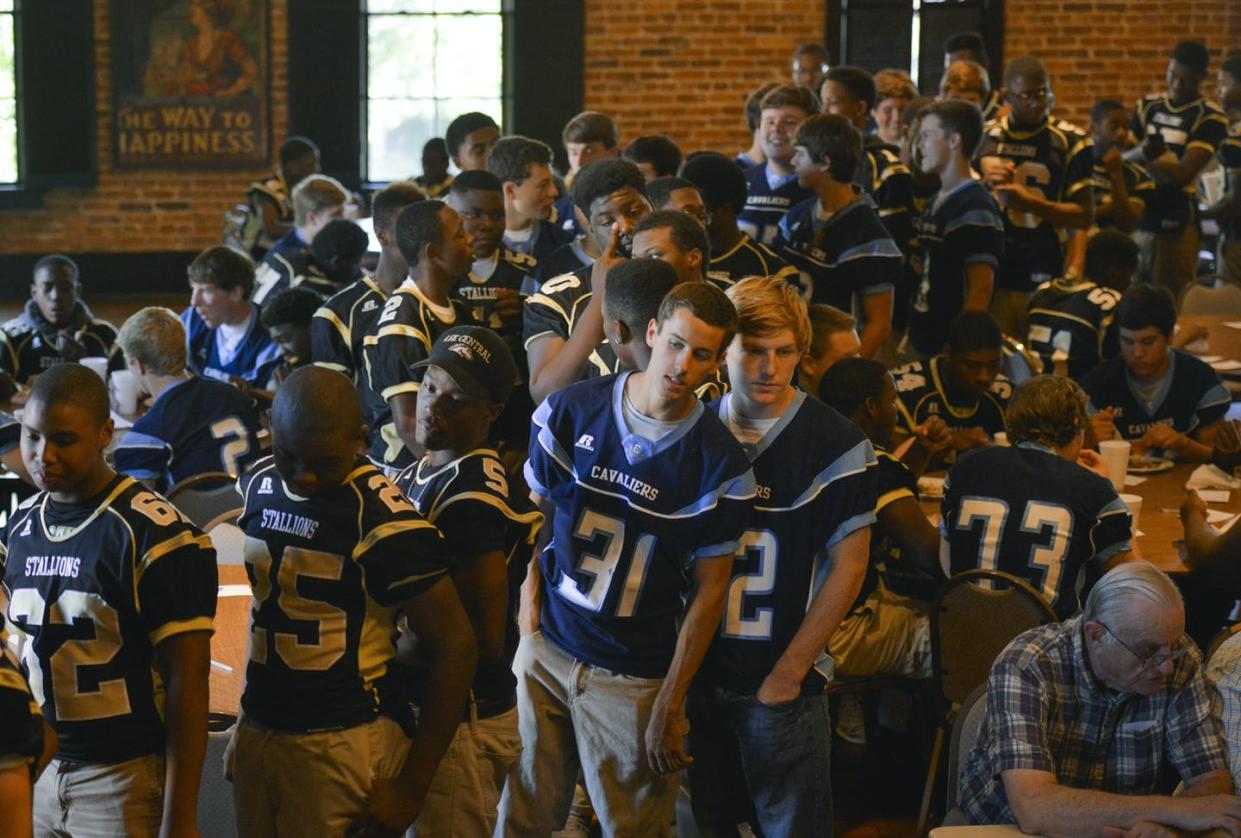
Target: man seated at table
<point>963,386</point>
<point>287,318</point>
<point>1122,673</point>
<point>223,335</point>
<point>1045,497</point>
<point>885,633</point>
<point>55,326</point>
<point>1072,320</point>
<point>194,425</point>
<point>1159,397</point>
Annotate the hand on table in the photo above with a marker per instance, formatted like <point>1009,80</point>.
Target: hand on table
<point>1164,437</point>
<point>933,435</point>
<point>1091,460</point>
<point>1192,507</point>
<point>963,439</point>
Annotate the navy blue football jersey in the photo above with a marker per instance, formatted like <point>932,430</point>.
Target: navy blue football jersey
<point>921,394</point>
<point>1230,159</point>
<point>330,574</point>
<point>1073,321</point>
<point>1055,160</point>
<point>195,426</point>
<point>545,237</point>
<point>632,516</point>
<point>401,336</point>
<point>882,176</point>
<point>564,216</point>
<point>744,259</point>
<point>508,271</point>
<point>565,259</point>
<point>95,587</point>
<point>1192,396</point>
<point>957,230</point>
<point>471,503</point>
<point>341,324</point>
<point>254,360</point>
<point>1138,184</point>
<point>288,259</point>
<point>1025,511</point>
<point>1198,124</point>
<point>21,721</point>
<point>766,204</point>
<point>815,486</point>
<point>849,254</point>
<point>28,342</point>
<point>554,311</point>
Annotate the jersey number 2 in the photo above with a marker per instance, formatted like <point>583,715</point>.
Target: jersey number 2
<point>762,544</point>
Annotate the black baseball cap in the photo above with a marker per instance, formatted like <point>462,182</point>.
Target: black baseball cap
<point>477,359</point>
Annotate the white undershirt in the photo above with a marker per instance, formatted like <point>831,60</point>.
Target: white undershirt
<point>519,235</point>
<point>228,338</point>
<point>748,431</point>
<point>445,314</point>
<point>644,426</point>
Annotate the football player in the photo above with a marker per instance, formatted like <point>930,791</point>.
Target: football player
<point>753,156</point>
<point>1039,170</point>
<point>960,234</point>
<point>1160,397</point>
<point>523,166</point>
<point>562,323</point>
<point>759,707</point>
<point>115,592</point>
<point>1072,320</point>
<point>773,188</point>
<point>734,255</point>
<point>645,494</point>
<point>1121,187</point>
<point>194,425</point>
<point>810,62</point>
<point>335,556</point>
<point>317,200</point>
<point>1227,210</point>
<point>461,486</point>
<point>835,237</point>
<point>1040,509</point>
<point>587,137</point>
<point>1178,133</point>
<point>434,244</point>
<point>636,288</point>
<point>676,238</point>
<point>963,386</point>
<point>470,138</point>
<point>969,46</point>
<point>656,156</point>
<point>833,335</point>
<point>677,193</point>
<point>287,318</point>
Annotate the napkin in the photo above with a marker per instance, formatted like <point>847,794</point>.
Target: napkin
<point>1209,476</point>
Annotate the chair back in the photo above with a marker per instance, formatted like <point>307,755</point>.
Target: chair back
<point>207,499</point>
<point>964,734</point>
<point>1211,295</point>
<point>975,615</point>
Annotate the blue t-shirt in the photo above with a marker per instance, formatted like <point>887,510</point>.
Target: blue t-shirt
<point>631,518</point>
<point>254,361</point>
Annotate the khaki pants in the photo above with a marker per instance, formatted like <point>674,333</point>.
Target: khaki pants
<point>1009,310</point>
<point>465,791</point>
<point>571,714</point>
<point>300,784</point>
<point>1169,261</point>
<point>92,800</point>
<point>889,635</point>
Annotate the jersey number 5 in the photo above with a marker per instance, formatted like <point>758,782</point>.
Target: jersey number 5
<point>319,642</point>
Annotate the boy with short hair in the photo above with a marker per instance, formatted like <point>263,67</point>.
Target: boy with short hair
<point>107,581</point>
<point>323,742</point>
<point>657,156</point>
<point>317,200</point>
<point>773,188</point>
<point>734,254</point>
<point>470,138</point>
<point>587,137</point>
<point>759,708</point>
<point>1121,187</point>
<point>1227,210</point>
<point>642,490</point>
<point>833,336</point>
<point>636,288</point>
<point>754,156</point>
<point>434,180</point>
<point>194,425</point>
<point>437,249</point>
<point>523,166</point>
<point>461,486</point>
<point>338,250</point>
<point>287,317</point>
<point>960,235</point>
<point>675,238</point>
<point>676,193</point>
<point>835,238</point>
<point>223,335</point>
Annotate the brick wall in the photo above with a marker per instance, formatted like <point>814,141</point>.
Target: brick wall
<point>142,211</point>
<point>680,67</point>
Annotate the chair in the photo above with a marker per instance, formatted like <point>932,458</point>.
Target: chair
<point>217,816</point>
<point>964,735</point>
<point>1211,295</point>
<point>207,499</point>
<point>970,626</point>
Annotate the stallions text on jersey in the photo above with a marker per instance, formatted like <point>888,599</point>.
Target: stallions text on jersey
<point>95,587</point>
<point>632,516</point>
<point>329,575</point>
<point>815,486</point>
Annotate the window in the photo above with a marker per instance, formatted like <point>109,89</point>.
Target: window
<point>8,92</point>
<point>426,62</point>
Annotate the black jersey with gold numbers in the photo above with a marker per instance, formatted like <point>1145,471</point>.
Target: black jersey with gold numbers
<point>1072,321</point>
<point>95,587</point>
<point>1137,183</point>
<point>921,394</point>
<point>554,312</point>
<point>329,575</point>
<point>21,721</point>
<point>1197,124</point>
<point>747,258</point>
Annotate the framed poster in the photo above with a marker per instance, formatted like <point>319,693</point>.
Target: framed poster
<point>190,84</point>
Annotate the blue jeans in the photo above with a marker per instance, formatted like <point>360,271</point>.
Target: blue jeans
<point>768,765</point>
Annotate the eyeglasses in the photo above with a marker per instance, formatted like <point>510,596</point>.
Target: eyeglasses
<point>1179,649</point>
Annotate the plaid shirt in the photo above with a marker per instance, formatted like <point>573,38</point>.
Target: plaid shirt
<point>1224,670</point>
<point>1047,712</point>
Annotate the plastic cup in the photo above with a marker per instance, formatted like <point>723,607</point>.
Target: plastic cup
<point>98,364</point>
<point>1134,502</point>
<point>1115,454</point>
<point>125,392</point>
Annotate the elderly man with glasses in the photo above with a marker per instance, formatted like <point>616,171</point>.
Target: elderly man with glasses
<point>1082,715</point>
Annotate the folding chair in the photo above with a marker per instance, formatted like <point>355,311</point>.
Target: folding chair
<point>207,499</point>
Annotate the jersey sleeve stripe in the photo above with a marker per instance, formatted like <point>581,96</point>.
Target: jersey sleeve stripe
<point>176,627</point>
<point>891,497</point>
<point>546,333</point>
<point>387,530</point>
<point>850,526</point>
<point>328,365</point>
<point>182,539</point>
<point>878,247</point>
<point>975,218</point>
<point>136,439</point>
<point>713,551</point>
<point>532,517</point>
<point>401,330</point>
<point>330,316</point>
<point>852,462</point>
<point>397,389</point>
<point>544,300</point>
<point>417,577</point>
